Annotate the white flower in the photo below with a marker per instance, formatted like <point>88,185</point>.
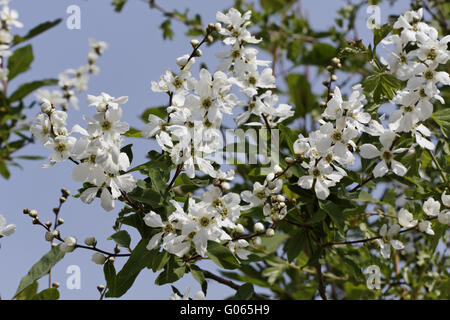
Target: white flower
<point>104,101</point>
<point>235,29</point>
<point>425,226</point>
<point>322,177</point>
<point>405,219</point>
<point>386,242</point>
<point>256,198</point>
<point>431,207</point>
<point>445,199</point>
<point>6,230</point>
<point>10,16</point>
<point>386,154</point>
<point>198,296</point>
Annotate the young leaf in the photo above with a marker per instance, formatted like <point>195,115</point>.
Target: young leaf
<point>36,31</point>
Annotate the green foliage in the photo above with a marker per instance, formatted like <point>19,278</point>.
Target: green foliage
<point>20,61</point>
<point>40,269</point>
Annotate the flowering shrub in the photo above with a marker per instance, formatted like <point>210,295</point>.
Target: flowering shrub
<point>361,187</point>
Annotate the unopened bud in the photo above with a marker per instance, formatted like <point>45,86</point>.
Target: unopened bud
<point>65,192</point>
<point>225,186</point>
<point>239,229</point>
<point>100,288</point>
<point>48,224</point>
<point>325,83</point>
<point>278,169</point>
<point>198,53</point>
<point>111,259</point>
<point>257,241</point>
<point>281,198</point>
<point>26,211</point>
<point>334,77</point>
<point>33,213</point>
<point>270,232</point>
<point>55,233</point>
<point>209,38</point>
<point>289,160</point>
<point>116,250</point>
<point>55,285</point>
<point>46,106</point>
<point>60,221</point>
<point>330,68</point>
<point>90,241</point>
<point>36,220</point>
<point>335,61</point>
<point>69,244</point>
<point>62,199</point>
<point>49,236</point>
<point>98,258</point>
<point>259,227</point>
<point>194,43</point>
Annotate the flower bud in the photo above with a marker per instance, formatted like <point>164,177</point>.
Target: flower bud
<point>194,43</point>
<point>26,211</point>
<point>210,38</point>
<point>198,53</point>
<point>65,192</point>
<point>334,77</point>
<point>90,241</point>
<point>270,176</point>
<point>55,285</point>
<point>281,198</point>
<point>69,244</point>
<point>111,259</point>
<point>46,106</point>
<point>257,241</point>
<point>270,232</point>
<point>60,221</point>
<point>98,258</point>
<point>55,233</point>
<point>278,169</point>
<point>48,224</point>
<point>62,199</point>
<point>335,61</point>
<point>33,213</point>
<point>100,288</point>
<point>289,160</point>
<point>49,236</point>
<point>225,186</point>
<point>239,229</point>
<point>259,227</point>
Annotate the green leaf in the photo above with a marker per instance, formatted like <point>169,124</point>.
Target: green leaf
<point>167,30</point>
<point>173,271</point>
<point>335,214</point>
<point>381,33</point>
<point>41,268</point>
<point>300,94</point>
<point>29,292</point>
<point>47,294</point>
<point>442,118</point>
<point>382,86</point>
<point>36,31</point>
<point>127,149</point>
<point>222,256</point>
<point>160,112</point>
<point>4,170</point>
<point>110,275</point>
<point>321,54</point>
<point>295,245</point>
<point>140,258</point>
<point>198,275</point>
<point>122,238</point>
<point>118,4</point>
<point>20,61</point>
<point>245,292</point>
<point>27,88</point>
<point>133,133</point>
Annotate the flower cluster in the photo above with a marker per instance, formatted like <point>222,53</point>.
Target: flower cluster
<point>327,150</point>
<point>419,67</point>
<point>100,163</point>
<point>211,219</point>
<point>75,81</point>
<point>8,19</point>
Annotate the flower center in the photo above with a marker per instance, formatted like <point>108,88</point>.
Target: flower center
<point>106,125</point>
<point>204,221</point>
<point>60,147</point>
<point>387,155</point>
<point>206,103</point>
<point>252,80</point>
<point>429,75</point>
<point>432,54</point>
<point>336,136</point>
<point>316,173</point>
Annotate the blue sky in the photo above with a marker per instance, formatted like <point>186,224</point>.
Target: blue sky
<point>136,56</point>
